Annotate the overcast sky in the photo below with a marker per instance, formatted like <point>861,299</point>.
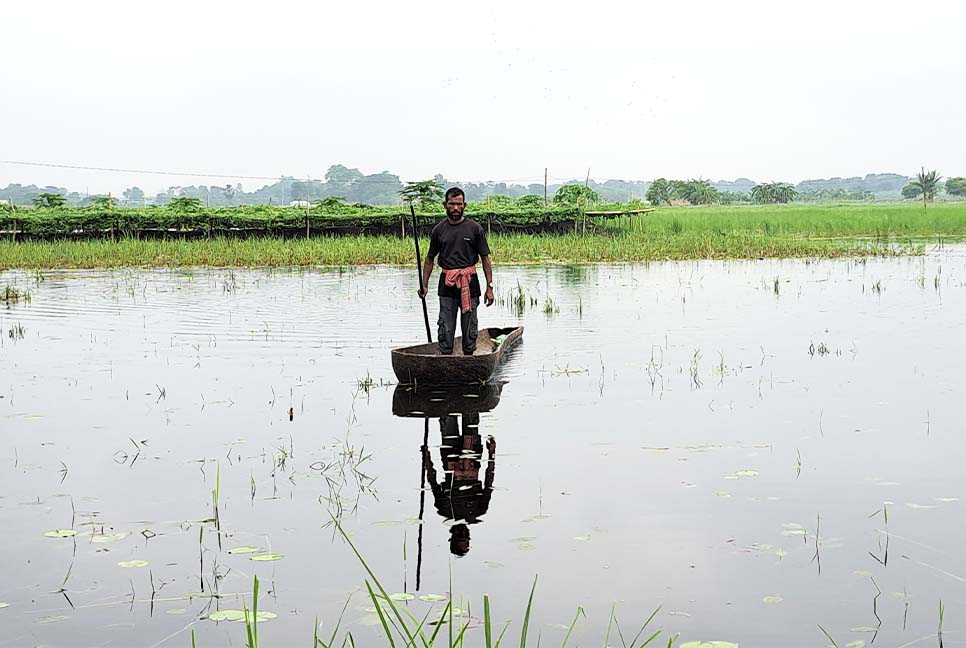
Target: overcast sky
<point>480,90</point>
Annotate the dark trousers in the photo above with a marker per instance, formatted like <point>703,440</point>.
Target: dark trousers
<point>469,325</point>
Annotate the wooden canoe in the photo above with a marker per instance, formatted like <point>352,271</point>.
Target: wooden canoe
<point>423,365</point>
<point>441,400</point>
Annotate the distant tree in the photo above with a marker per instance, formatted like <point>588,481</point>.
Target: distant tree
<point>134,195</point>
<point>530,201</point>
<point>422,192</point>
<point>499,201</point>
<point>330,202</point>
<point>659,193</point>
<point>339,175</point>
<point>956,186</point>
<point>773,192</point>
<point>575,194</point>
<point>911,190</point>
<point>229,193</point>
<point>50,200</point>
<point>185,204</point>
<point>103,202</point>
<point>927,184</point>
<point>697,192</point>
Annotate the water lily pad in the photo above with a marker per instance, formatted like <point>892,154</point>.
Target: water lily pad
<point>60,533</point>
<point>109,537</point>
<point>582,538</point>
<point>524,539</point>
<point>731,477</point>
<point>858,643</point>
<point>526,547</point>
<point>863,629</point>
<point>402,596</point>
<point>3,605</point>
<point>493,564</point>
<point>133,563</point>
<point>388,523</point>
<point>243,550</point>
<point>709,644</point>
<point>946,500</point>
<point>747,473</point>
<point>176,611</point>
<point>239,615</point>
<point>863,573</point>
<point>723,494</point>
<point>432,598</point>
<point>52,619</point>
<point>267,557</point>
<point>913,505</point>
<point>777,598</point>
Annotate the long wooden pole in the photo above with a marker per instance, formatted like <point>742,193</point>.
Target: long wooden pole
<point>422,502</point>
<point>419,271</point>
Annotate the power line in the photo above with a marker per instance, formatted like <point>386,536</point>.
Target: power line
<point>79,167</point>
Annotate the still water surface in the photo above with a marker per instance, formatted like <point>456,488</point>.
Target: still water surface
<point>716,438</point>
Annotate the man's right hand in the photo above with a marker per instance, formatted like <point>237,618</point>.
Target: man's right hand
<point>422,293</point>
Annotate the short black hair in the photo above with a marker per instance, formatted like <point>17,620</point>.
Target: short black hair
<point>454,191</point>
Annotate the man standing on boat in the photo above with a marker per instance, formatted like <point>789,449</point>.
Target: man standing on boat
<point>461,244</point>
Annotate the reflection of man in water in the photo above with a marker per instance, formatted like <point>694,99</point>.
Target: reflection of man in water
<point>462,497</point>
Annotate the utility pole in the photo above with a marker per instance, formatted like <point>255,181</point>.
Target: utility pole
<point>545,187</point>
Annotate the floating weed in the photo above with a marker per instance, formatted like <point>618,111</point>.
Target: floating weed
<point>132,563</point>
<point>17,332</point>
<point>60,533</point>
<point>243,550</point>
<point>13,295</point>
<point>266,557</point>
<point>239,615</point>
<point>550,308</point>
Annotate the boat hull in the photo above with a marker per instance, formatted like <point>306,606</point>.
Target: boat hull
<point>423,364</point>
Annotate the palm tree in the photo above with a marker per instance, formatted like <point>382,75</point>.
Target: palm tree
<point>422,193</point>
<point>773,192</point>
<point>927,184</point>
<point>699,192</point>
<point>659,192</point>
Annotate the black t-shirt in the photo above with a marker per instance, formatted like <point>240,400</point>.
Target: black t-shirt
<point>458,246</point>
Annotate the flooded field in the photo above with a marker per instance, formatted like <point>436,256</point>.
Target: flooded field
<point>756,448</point>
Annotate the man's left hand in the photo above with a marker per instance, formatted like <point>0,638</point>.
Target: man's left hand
<point>488,297</point>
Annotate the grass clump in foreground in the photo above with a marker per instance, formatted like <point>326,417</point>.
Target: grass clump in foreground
<point>401,628</point>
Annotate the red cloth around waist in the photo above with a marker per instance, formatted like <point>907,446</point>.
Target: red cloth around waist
<point>460,277</point>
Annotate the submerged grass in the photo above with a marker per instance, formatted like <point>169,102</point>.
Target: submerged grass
<point>670,233</point>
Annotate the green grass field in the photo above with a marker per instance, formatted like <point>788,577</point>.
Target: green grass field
<point>670,233</point>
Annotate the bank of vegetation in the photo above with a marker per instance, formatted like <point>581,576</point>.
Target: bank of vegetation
<point>743,232</point>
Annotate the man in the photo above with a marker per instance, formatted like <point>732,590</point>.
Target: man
<point>460,244</point>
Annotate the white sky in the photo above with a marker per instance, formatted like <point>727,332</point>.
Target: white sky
<point>478,91</point>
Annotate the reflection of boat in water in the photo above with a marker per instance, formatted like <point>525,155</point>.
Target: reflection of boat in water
<point>423,365</point>
<point>424,402</point>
